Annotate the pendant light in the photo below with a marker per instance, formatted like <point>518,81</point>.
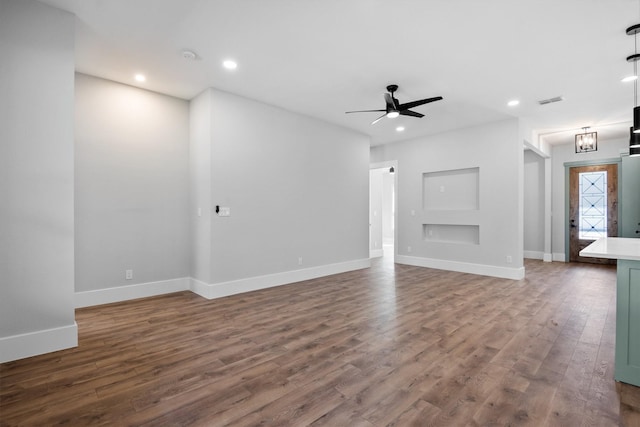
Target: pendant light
<point>634,143</point>
<point>633,31</point>
<point>586,141</point>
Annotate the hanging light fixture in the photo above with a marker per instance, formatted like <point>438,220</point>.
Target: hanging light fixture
<point>633,31</point>
<point>634,143</point>
<point>392,170</point>
<point>586,141</point>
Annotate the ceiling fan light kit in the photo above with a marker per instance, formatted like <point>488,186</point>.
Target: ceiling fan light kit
<point>395,109</point>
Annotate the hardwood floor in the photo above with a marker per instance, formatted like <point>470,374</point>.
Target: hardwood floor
<point>391,345</point>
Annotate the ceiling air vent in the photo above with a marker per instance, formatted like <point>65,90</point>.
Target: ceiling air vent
<point>551,100</point>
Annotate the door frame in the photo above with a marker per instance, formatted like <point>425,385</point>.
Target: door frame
<point>569,165</point>
<point>381,165</point>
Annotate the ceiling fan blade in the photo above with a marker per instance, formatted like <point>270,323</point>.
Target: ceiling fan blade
<point>378,119</point>
<point>391,103</point>
<point>364,111</point>
<point>410,113</point>
<point>412,104</point>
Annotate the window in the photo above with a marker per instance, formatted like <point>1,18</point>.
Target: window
<point>593,205</point>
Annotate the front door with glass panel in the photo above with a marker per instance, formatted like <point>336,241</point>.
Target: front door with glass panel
<point>593,208</point>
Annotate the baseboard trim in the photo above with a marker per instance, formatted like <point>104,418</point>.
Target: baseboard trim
<point>39,342</point>
<point>463,267</point>
<point>376,253</point>
<point>559,257</point>
<point>533,254</point>
<point>125,293</point>
<point>547,257</point>
<point>224,289</point>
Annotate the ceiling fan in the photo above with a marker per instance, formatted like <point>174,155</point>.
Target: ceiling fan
<point>394,108</point>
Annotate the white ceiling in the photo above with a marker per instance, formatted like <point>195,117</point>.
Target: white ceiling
<point>324,57</point>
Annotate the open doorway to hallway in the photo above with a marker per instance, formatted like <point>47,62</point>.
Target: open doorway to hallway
<point>382,211</point>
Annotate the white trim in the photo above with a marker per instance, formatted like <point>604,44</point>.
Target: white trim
<point>463,267</point>
<point>39,342</point>
<point>224,289</point>
<point>375,253</point>
<point>129,292</point>
<point>559,257</point>
<point>546,257</point>
<point>533,254</point>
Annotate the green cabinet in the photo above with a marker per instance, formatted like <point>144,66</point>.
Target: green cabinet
<point>630,197</point>
<point>627,367</point>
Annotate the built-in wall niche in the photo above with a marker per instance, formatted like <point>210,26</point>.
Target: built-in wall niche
<point>451,233</point>
<point>455,189</point>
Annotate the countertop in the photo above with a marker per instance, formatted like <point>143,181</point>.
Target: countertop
<point>613,248</point>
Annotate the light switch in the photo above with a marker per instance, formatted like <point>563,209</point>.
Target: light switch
<point>224,211</point>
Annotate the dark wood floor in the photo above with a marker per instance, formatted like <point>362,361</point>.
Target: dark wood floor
<point>391,345</point>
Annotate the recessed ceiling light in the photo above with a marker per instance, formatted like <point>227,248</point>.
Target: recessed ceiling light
<point>513,103</point>
<point>140,77</point>
<point>629,79</point>
<point>230,64</point>
<point>400,129</point>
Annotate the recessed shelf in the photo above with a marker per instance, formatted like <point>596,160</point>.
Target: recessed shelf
<point>451,233</point>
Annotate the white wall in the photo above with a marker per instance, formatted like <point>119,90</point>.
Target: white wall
<point>375,212</point>
<point>534,187</point>
<point>296,188</point>
<point>36,179</point>
<point>496,150</point>
<point>387,207</point>
<point>131,187</point>
<point>561,154</point>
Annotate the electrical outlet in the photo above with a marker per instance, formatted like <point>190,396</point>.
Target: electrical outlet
<point>224,211</point>
<point>128,274</point>
<point>509,259</point>
<point>300,260</point>
<point>408,248</point>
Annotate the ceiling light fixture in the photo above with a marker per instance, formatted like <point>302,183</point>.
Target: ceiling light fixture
<point>513,103</point>
<point>587,141</point>
<point>189,55</point>
<point>400,129</point>
<point>230,64</point>
<point>634,143</point>
<point>393,114</point>
<point>140,78</point>
<point>633,31</point>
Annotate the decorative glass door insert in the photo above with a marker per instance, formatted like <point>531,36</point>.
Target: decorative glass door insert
<point>593,205</point>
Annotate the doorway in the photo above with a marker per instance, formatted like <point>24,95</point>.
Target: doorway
<point>593,208</point>
<point>382,202</point>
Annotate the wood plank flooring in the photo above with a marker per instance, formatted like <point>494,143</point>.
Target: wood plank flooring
<point>392,345</point>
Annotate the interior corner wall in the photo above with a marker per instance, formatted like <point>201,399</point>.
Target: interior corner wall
<point>36,180</point>
<point>297,189</point>
<point>565,153</point>
<point>132,191</point>
<point>534,205</point>
<point>200,208</point>
<point>496,150</point>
